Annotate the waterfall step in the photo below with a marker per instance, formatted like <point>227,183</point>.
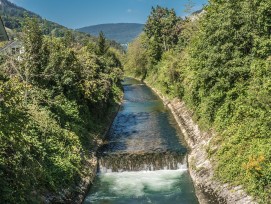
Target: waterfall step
<point>141,161</point>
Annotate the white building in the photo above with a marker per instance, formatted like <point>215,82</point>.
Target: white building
<point>12,48</point>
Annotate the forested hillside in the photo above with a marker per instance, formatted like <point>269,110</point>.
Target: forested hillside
<point>122,33</point>
<point>55,103</point>
<point>220,65</point>
<point>13,17</point>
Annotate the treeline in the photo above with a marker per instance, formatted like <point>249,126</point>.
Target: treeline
<point>219,63</point>
<point>55,100</point>
<point>13,18</point>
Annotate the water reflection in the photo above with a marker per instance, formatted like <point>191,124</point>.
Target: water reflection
<point>143,124</point>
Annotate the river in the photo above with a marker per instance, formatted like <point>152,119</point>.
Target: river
<point>144,157</point>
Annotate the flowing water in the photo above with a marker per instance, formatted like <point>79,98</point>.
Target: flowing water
<point>144,158</point>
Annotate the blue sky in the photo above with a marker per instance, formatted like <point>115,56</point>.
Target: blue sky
<point>80,13</point>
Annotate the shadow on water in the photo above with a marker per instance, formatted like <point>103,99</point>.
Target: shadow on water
<point>143,159</point>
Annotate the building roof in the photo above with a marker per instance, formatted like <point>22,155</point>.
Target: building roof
<point>3,32</point>
<point>10,45</point>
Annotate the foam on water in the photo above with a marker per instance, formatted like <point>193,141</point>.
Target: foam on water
<point>136,184</point>
<point>142,187</point>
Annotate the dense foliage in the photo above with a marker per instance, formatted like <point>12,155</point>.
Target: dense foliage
<point>221,67</point>
<point>162,29</point>
<point>54,103</point>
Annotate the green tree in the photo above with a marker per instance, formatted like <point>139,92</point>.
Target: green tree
<point>225,58</point>
<point>137,58</point>
<point>54,103</point>
<point>68,38</point>
<point>162,29</point>
<point>221,69</point>
<point>102,45</point>
<point>32,57</point>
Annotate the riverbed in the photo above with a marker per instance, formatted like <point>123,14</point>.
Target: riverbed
<point>143,159</point>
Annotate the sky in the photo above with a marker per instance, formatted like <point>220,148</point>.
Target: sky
<point>80,13</point>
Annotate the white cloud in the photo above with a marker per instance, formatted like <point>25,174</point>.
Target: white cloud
<point>129,10</point>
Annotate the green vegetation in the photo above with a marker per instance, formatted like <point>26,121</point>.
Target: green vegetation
<point>13,17</point>
<point>54,105</point>
<point>220,65</point>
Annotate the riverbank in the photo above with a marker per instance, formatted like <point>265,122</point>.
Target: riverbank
<point>201,167</point>
<point>76,193</point>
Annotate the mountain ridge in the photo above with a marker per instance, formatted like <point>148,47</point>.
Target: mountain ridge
<point>122,33</point>
<point>14,16</point>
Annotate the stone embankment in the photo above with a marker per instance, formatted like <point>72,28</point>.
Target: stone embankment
<point>201,168</point>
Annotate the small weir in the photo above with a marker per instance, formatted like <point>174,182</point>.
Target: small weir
<point>143,159</point>
<point>141,162</point>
